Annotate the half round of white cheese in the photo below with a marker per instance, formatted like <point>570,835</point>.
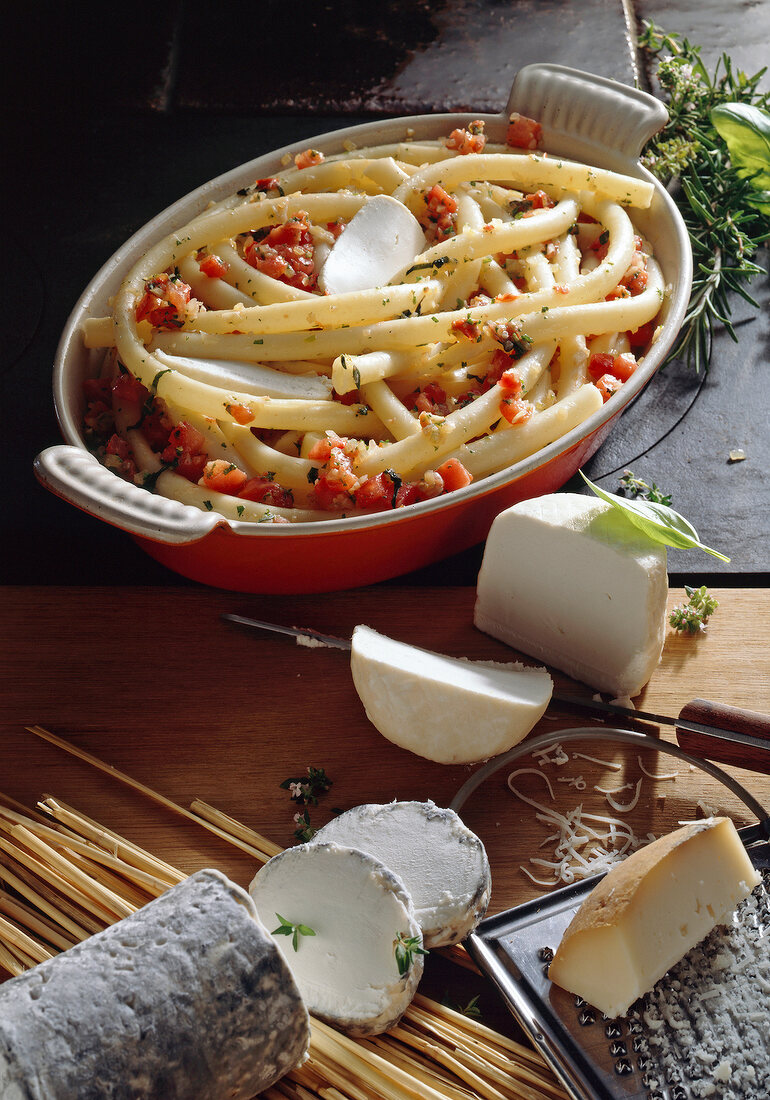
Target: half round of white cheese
<point>570,581</point>
<point>443,865</point>
<point>445,709</point>
<point>378,242</point>
<point>358,910</point>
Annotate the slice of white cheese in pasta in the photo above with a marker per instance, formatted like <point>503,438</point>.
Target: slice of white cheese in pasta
<point>378,242</point>
<point>252,378</point>
<point>649,910</point>
<point>570,581</point>
<point>445,709</point>
<point>187,997</point>
<point>356,907</point>
<point>441,862</point>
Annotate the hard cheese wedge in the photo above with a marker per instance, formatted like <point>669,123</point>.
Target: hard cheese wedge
<point>569,580</point>
<point>442,708</point>
<point>649,910</point>
<point>382,239</point>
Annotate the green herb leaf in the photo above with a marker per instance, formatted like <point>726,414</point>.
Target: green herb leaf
<point>745,130</point>
<point>406,947</point>
<point>659,522</point>
<point>691,618</point>
<point>286,928</point>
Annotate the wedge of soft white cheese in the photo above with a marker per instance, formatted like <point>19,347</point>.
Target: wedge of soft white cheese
<point>381,239</point>
<point>569,580</point>
<point>445,709</point>
<point>443,865</point>
<point>649,910</point>
<point>357,908</point>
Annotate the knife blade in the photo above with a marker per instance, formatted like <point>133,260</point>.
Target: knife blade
<point>760,745</point>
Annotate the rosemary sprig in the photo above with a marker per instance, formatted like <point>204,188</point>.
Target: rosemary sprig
<point>718,207</point>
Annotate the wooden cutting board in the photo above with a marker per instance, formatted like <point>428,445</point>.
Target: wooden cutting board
<point>156,684</point>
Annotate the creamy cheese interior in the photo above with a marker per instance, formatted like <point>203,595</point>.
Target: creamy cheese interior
<point>441,862</point>
<point>379,241</point>
<point>444,708</point>
<point>569,580</point>
<point>649,910</point>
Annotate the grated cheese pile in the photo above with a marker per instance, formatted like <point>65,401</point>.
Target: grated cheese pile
<point>702,1031</point>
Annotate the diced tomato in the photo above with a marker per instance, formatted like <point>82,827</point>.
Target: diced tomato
<point>601,245</point>
<point>241,414</point>
<point>441,212</point>
<point>467,141</point>
<point>335,228</point>
<point>97,389</point>
<point>309,158</point>
<point>454,475</point>
<point>430,399</point>
<point>320,451</point>
<point>212,266</point>
<point>641,337</point>
<point>607,385</point>
<point>536,200</point>
<point>223,477</point>
<point>123,457</point>
<point>165,301</point>
<point>264,490</point>
<point>185,451</point>
<point>523,132</point>
<point>471,330</point>
<point>620,367</point>
<point>119,446</point>
<point>499,363</point>
<point>600,363</point>
<point>127,390</point>
<point>510,383</point>
<point>285,253</point>
<point>268,183</point>
<point>155,426</point>
<point>378,493</point>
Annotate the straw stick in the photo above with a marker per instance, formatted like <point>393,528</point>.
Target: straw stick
<point>10,963</point>
<point>110,841</point>
<point>89,850</point>
<point>475,1026</point>
<point>105,898</point>
<point>34,922</point>
<point>148,792</point>
<point>235,828</point>
<point>17,937</point>
<point>47,901</point>
<point>61,891</point>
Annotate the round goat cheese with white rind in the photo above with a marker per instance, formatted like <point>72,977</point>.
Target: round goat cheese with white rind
<point>378,242</point>
<point>187,997</point>
<point>649,910</point>
<point>445,709</point>
<point>443,865</point>
<point>357,910</point>
<point>570,581</point>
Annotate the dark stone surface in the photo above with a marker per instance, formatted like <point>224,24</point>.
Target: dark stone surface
<point>110,123</point>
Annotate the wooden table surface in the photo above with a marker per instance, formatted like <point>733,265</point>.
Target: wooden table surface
<point>156,684</point>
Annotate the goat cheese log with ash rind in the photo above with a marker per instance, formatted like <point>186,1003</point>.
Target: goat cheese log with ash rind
<point>442,863</point>
<point>358,913</point>
<point>188,997</point>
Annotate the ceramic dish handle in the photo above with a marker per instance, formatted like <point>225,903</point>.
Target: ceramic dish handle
<point>80,478</point>
<point>588,108</point>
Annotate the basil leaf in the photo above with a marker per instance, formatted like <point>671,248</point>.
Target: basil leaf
<point>745,130</point>
<point>659,522</point>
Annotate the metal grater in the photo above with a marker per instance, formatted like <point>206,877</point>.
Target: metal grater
<point>595,1058</point>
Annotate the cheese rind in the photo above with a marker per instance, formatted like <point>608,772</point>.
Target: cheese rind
<point>445,709</point>
<point>187,997</point>
<point>650,910</point>
<point>381,239</point>
<point>443,864</point>
<point>347,971</point>
<point>569,580</point>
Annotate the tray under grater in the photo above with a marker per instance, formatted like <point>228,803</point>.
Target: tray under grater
<point>595,1057</point>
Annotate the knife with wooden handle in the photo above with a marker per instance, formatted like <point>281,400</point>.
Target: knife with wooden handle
<point>711,731</point>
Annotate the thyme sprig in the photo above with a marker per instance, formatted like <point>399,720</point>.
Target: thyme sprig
<point>406,947</point>
<point>636,487</point>
<point>287,928</point>
<point>718,206</point>
<point>691,617</point>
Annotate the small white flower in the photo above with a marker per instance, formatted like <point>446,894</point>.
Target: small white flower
<point>299,819</point>
<point>295,790</point>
